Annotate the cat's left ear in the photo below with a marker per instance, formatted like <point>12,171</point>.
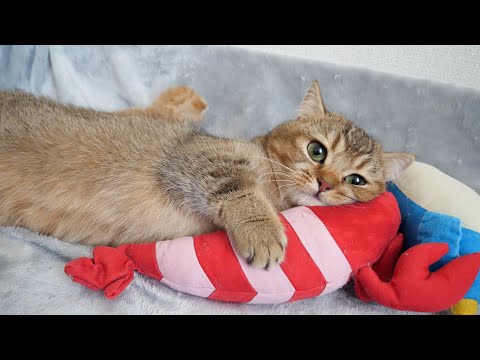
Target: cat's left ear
<point>313,101</point>
<point>395,163</point>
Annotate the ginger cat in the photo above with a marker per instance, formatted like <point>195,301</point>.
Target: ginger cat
<point>92,177</point>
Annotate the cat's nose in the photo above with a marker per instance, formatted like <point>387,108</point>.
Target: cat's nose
<point>324,186</point>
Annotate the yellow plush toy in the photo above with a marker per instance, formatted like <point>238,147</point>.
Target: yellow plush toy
<point>438,208</point>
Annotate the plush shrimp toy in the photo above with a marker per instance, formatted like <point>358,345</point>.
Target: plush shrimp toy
<point>326,247</point>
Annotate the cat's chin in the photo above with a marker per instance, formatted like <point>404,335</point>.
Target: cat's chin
<point>301,199</point>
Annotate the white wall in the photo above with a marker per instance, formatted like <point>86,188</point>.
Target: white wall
<point>457,64</point>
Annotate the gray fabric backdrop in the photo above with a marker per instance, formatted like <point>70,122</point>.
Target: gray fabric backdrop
<point>248,93</point>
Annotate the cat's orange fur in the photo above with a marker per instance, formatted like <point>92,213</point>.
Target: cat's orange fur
<point>176,103</point>
<point>94,177</point>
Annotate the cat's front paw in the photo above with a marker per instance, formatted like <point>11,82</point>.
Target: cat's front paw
<point>261,242</point>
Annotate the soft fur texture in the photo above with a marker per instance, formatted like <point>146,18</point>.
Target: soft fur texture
<point>102,178</point>
<point>248,94</point>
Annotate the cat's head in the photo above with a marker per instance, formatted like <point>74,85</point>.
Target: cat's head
<point>327,160</point>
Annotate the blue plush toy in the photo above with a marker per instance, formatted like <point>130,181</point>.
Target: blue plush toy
<point>437,208</point>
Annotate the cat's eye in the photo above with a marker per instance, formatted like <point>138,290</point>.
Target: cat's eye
<point>355,179</point>
<point>317,151</point>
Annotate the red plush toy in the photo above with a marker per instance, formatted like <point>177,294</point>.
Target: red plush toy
<point>326,247</point>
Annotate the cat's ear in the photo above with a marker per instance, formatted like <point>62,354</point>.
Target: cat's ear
<point>395,163</point>
<point>313,101</point>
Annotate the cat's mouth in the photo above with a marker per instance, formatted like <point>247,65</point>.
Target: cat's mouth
<point>322,198</point>
<point>306,195</point>
<point>319,199</point>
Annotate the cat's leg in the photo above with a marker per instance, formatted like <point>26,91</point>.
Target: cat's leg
<point>253,225</point>
<point>176,103</point>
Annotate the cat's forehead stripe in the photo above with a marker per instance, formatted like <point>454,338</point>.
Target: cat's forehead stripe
<point>335,141</point>
<point>359,141</point>
<point>363,162</point>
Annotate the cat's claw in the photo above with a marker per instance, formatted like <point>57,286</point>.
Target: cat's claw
<point>250,258</point>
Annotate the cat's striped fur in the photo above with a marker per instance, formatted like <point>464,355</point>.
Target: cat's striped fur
<point>112,178</point>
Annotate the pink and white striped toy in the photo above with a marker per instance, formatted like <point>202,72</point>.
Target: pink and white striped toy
<point>326,246</point>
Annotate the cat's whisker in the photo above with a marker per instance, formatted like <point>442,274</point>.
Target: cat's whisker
<point>349,197</point>
<point>286,185</point>
<point>272,180</point>
<point>276,173</point>
<point>276,162</point>
<point>288,176</point>
<point>278,185</point>
<point>355,204</point>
